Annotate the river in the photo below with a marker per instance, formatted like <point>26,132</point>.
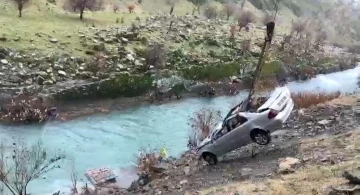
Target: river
<point>115,138</point>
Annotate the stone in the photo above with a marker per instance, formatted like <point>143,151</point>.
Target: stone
<point>4,61</point>
<point>323,122</point>
<point>187,170</point>
<point>61,72</point>
<point>40,80</point>
<point>53,40</point>
<point>130,57</point>
<point>286,165</point>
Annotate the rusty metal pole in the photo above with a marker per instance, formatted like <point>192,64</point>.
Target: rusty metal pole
<point>270,26</point>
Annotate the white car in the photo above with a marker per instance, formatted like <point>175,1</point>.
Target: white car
<point>241,128</point>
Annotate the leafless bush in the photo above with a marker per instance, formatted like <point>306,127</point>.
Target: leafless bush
<point>211,11</point>
<point>24,164</point>
<point>306,100</point>
<point>202,124</point>
<point>267,18</point>
<point>116,7</point>
<point>246,45</point>
<point>147,158</point>
<point>98,64</point>
<point>156,55</point>
<point>82,5</point>
<point>131,7</point>
<point>25,108</point>
<point>21,4</point>
<point>229,9</point>
<point>74,180</point>
<point>245,18</point>
<point>320,38</point>
<point>299,26</point>
<point>233,31</point>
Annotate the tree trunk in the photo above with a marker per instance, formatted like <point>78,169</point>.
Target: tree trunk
<point>228,16</point>
<point>20,7</point>
<point>81,14</point>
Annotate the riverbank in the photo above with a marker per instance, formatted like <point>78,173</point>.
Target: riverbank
<point>317,138</point>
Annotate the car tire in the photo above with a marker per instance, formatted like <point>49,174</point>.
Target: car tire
<point>210,158</point>
<point>260,137</point>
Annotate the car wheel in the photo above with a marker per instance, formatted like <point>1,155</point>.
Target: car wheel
<point>210,158</point>
<point>261,137</point>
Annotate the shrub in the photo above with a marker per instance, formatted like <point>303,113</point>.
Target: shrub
<point>25,109</point>
<point>202,124</point>
<point>146,159</point>
<point>306,99</point>
<point>116,7</point>
<point>245,18</point>
<point>299,26</point>
<point>246,45</point>
<point>131,7</point>
<point>23,165</point>
<point>211,72</point>
<point>98,63</point>
<point>232,31</point>
<point>81,5</point>
<point>21,4</point>
<point>156,55</point>
<point>211,11</point>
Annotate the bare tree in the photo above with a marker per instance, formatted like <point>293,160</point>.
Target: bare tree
<point>245,18</point>
<point>211,11</point>
<point>20,5</point>
<point>82,5</point>
<point>229,9</point>
<point>23,165</point>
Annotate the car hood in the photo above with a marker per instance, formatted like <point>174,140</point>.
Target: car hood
<point>204,142</point>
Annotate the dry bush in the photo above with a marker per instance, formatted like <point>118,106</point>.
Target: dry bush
<point>21,4</point>
<point>308,99</point>
<point>156,55</point>
<point>202,124</point>
<point>263,84</point>
<point>24,164</point>
<point>299,26</point>
<point>147,158</point>
<point>229,9</point>
<point>26,109</point>
<point>268,18</point>
<point>233,31</point>
<point>98,64</point>
<point>245,18</point>
<point>116,7</point>
<point>246,45</point>
<point>131,7</point>
<point>320,38</point>
<point>211,11</point>
<point>81,5</point>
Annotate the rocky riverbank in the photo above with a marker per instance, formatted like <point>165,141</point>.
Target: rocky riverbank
<point>328,122</point>
<point>159,57</point>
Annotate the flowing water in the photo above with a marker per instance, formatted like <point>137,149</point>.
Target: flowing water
<point>114,139</point>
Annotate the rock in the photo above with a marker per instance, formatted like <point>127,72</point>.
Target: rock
<point>40,80</point>
<point>187,170</point>
<point>160,167</point>
<point>287,165</point>
<point>130,57</point>
<point>61,72</point>
<point>4,61</point>
<point>53,40</point>
<point>3,39</point>
<point>323,122</point>
<point>2,56</point>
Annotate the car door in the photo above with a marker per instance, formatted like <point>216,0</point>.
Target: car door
<point>241,134</point>
<point>221,145</point>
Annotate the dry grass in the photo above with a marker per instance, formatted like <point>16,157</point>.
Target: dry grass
<point>202,124</point>
<point>306,100</point>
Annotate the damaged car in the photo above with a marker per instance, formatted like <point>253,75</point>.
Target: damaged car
<point>241,127</point>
